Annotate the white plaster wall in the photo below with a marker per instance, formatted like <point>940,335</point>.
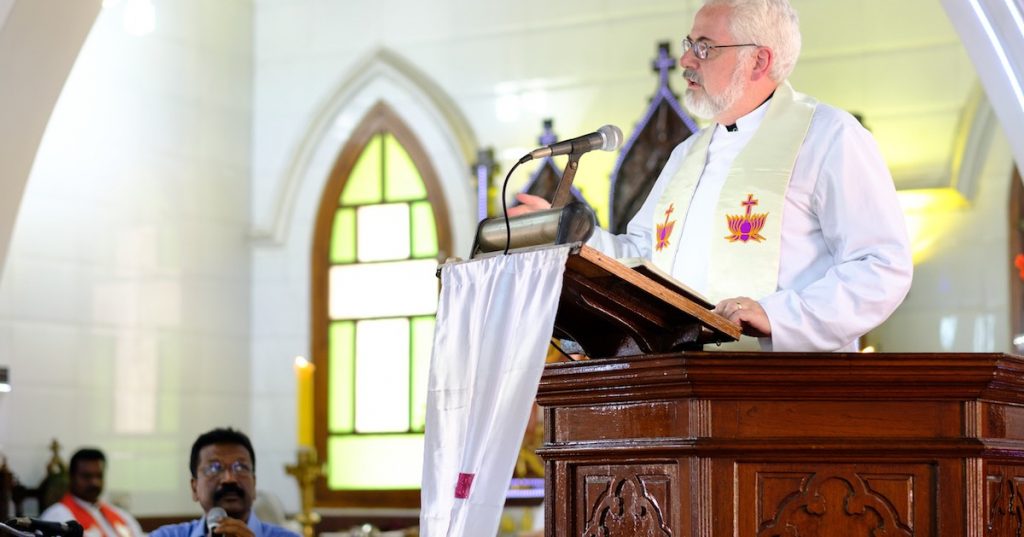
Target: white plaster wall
<point>124,305</point>
<point>960,298</point>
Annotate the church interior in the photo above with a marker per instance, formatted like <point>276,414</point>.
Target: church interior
<point>195,232</point>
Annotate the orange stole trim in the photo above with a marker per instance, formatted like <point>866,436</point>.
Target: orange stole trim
<point>88,522</point>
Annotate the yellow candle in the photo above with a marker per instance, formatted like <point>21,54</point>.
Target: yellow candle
<point>304,402</point>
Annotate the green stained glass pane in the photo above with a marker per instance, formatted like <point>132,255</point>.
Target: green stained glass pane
<point>364,184</point>
<point>403,181</point>
<point>422,347</point>
<point>341,341</point>
<point>375,462</point>
<point>424,231</point>
<point>343,237</point>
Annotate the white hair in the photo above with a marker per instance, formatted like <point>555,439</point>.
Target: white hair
<point>769,23</point>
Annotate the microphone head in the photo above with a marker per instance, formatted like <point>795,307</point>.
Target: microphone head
<point>612,137</point>
<point>213,518</point>
<point>74,529</point>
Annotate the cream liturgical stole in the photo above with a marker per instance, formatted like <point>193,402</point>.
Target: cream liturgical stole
<point>744,256</point>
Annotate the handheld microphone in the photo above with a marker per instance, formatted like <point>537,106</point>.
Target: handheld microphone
<point>70,528</point>
<point>607,138</point>
<point>213,519</point>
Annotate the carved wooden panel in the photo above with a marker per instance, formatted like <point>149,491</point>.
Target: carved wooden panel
<point>1002,421</point>
<point>1004,501</point>
<point>661,419</point>
<point>626,501</point>
<point>838,500</point>
<point>894,419</point>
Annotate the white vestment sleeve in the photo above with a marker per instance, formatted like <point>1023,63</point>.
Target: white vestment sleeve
<point>637,241</point>
<point>863,227</point>
<point>494,324</point>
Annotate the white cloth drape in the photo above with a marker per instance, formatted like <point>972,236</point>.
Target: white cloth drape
<point>494,322</point>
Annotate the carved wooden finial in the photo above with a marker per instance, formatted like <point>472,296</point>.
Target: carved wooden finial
<point>56,465</point>
<point>483,170</point>
<point>547,137</point>
<point>664,62</point>
<point>484,157</point>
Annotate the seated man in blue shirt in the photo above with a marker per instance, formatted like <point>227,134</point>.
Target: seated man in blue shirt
<point>223,468</point>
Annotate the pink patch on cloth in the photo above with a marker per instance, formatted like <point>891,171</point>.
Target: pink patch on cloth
<point>464,484</point>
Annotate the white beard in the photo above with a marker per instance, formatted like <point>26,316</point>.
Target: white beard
<point>706,105</point>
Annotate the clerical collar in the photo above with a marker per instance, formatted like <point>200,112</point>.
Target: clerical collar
<point>751,120</point>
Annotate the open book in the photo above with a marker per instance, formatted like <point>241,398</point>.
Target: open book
<point>649,269</point>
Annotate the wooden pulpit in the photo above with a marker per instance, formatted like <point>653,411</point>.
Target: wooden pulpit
<point>680,443</point>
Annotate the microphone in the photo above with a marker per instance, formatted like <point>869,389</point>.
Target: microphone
<point>70,528</point>
<point>607,138</point>
<point>213,518</point>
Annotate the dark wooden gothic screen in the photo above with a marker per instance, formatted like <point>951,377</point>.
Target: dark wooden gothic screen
<point>661,129</point>
<point>1017,257</point>
<point>545,178</point>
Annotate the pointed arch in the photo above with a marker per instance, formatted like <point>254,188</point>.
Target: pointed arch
<point>380,129</point>
<point>428,112</point>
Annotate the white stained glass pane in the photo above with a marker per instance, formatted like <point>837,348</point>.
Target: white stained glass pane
<point>382,376</point>
<point>383,232</point>
<point>383,289</point>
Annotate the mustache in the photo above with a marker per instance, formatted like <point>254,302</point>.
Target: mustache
<point>693,76</point>
<point>92,491</point>
<point>228,488</point>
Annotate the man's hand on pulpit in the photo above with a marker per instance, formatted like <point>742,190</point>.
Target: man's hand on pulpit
<point>747,313</point>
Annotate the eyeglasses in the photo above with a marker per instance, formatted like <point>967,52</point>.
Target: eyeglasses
<point>701,48</point>
<point>238,468</point>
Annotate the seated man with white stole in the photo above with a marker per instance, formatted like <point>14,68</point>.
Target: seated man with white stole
<point>782,210</point>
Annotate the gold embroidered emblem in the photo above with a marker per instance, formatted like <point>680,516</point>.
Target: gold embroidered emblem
<point>746,227</point>
<point>665,230</point>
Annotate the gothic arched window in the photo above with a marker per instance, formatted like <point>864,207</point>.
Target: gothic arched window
<point>381,225</point>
